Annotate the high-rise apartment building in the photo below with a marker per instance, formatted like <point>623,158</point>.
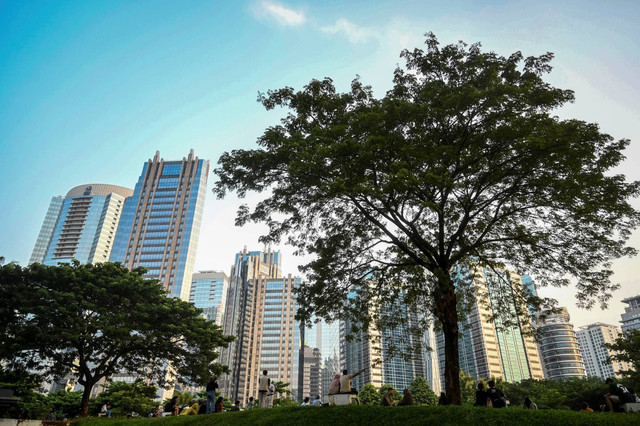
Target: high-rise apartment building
<point>209,292</point>
<point>82,225</point>
<point>492,348</point>
<point>592,339</point>
<point>559,348</point>
<point>391,355</point>
<point>260,311</point>
<point>160,223</point>
<point>631,316</point>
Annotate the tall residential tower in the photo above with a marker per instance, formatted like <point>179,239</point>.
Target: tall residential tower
<point>160,223</point>
<point>81,226</point>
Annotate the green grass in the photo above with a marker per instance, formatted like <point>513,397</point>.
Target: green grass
<point>376,415</point>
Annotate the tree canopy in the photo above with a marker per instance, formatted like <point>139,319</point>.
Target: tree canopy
<point>461,165</point>
<point>92,321</point>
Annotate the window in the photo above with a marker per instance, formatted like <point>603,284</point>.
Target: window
<point>171,169</point>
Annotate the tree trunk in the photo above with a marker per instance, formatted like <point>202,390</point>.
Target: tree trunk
<point>448,316</point>
<point>301,363</point>
<point>86,394</point>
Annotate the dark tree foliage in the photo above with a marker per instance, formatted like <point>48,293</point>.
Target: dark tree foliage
<point>125,398</point>
<point>461,165</point>
<point>626,348</point>
<point>369,395</point>
<point>422,393</point>
<point>96,320</point>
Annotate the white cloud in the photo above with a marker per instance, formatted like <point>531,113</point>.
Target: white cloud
<point>282,14</point>
<point>354,33</point>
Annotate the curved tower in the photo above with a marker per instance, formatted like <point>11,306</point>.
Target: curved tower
<point>559,348</point>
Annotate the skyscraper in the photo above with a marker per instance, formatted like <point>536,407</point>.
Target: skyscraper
<point>81,226</point>
<point>492,348</point>
<point>390,355</point>
<point>209,292</point>
<point>260,311</point>
<point>363,351</point>
<point>631,316</point>
<point>592,339</point>
<point>160,223</point>
<point>559,348</point>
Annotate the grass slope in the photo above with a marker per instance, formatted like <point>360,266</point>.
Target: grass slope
<point>376,415</point>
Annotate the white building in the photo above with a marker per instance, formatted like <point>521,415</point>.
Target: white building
<point>592,339</point>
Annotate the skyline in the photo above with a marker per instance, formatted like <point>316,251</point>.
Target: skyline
<point>90,91</point>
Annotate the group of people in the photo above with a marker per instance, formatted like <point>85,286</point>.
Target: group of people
<point>495,398</point>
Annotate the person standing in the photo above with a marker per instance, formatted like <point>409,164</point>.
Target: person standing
<point>270,393</point>
<point>263,388</point>
<point>211,395</point>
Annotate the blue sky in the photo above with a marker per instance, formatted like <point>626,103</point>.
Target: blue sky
<point>89,90</point>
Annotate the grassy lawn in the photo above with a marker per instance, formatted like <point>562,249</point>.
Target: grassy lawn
<point>376,415</point>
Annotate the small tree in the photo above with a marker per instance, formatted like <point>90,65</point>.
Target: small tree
<point>369,395</point>
<point>64,404</point>
<point>463,164</point>
<point>97,320</point>
<point>422,393</point>
<point>126,398</point>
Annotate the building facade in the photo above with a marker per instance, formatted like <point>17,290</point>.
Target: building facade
<point>209,292</point>
<point>631,316</point>
<point>312,375</point>
<point>363,351</point>
<point>559,348</point>
<point>492,348</point>
<point>260,312</point>
<point>160,223</point>
<point>82,225</point>
<point>592,339</point>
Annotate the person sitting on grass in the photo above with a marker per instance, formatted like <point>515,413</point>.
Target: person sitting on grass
<point>443,400</point>
<point>219,402</point>
<point>192,410</point>
<point>585,408</point>
<point>317,401</point>
<point>498,400</point>
<point>386,398</point>
<point>481,397</point>
<point>236,406</point>
<point>407,398</point>
<point>305,403</point>
<point>171,406</point>
<point>529,405</point>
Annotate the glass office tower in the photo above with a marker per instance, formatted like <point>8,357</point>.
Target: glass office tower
<point>209,292</point>
<point>160,224</point>
<point>82,225</point>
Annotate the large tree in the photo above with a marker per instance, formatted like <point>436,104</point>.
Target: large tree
<point>92,321</point>
<point>461,165</point>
